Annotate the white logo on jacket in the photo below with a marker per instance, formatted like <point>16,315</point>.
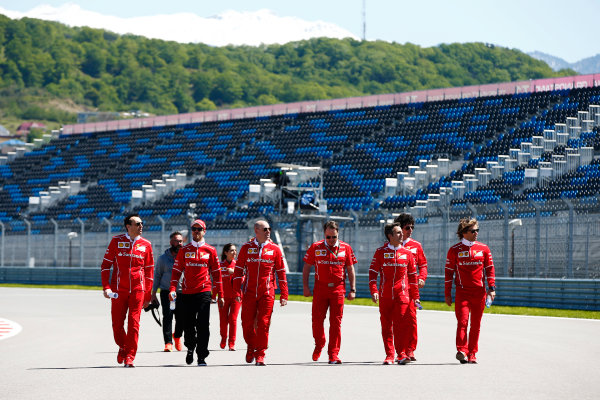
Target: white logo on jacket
<point>190,255</point>
<point>463,254</point>
<point>267,252</point>
<point>141,248</point>
<point>124,245</point>
<point>253,251</point>
<point>388,255</point>
<point>320,253</point>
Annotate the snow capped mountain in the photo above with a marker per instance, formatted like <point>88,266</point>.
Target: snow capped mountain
<point>230,27</point>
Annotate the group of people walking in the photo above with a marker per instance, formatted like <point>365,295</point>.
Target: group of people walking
<point>188,275</point>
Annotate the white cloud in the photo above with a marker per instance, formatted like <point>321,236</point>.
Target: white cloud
<point>230,27</point>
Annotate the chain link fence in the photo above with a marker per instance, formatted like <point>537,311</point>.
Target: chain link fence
<point>563,246</point>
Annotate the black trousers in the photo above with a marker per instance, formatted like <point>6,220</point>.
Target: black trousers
<point>167,323</point>
<point>196,312</point>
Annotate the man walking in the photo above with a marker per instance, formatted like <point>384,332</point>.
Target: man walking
<point>468,264</point>
<point>162,279</point>
<point>407,223</point>
<point>332,259</point>
<point>130,256</point>
<point>197,261</point>
<point>395,267</point>
<point>258,262</point>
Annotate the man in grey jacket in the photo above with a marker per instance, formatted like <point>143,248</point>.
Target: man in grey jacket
<point>162,280</point>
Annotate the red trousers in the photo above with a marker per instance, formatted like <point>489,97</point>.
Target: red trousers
<point>132,302</point>
<point>331,298</point>
<point>412,340</point>
<point>256,320</point>
<point>473,302</point>
<point>395,326</point>
<point>228,315</point>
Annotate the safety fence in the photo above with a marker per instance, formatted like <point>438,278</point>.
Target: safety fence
<point>532,292</point>
<point>562,246</point>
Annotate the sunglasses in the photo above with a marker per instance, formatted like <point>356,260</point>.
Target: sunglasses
<point>474,230</point>
<point>331,237</point>
<point>409,227</point>
<point>194,229</point>
<point>136,223</point>
<point>267,229</point>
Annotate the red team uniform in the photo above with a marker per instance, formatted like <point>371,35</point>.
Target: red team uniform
<point>258,264</point>
<point>467,264</point>
<point>421,263</point>
<point>397,288</point>
<point>133,271</point>
<point>329,290</point>
<point>197,261</point>
<point>228,314</point>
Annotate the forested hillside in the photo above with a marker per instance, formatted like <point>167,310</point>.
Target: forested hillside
<point>49,70</point>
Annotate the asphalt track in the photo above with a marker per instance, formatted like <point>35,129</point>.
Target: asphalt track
<point>65,351</point>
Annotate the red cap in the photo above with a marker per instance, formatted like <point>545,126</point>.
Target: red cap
<point>199,222</point>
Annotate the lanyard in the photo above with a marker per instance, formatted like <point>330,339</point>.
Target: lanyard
<point>334,254</point>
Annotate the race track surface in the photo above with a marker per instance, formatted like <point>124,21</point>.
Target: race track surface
<point>65,350</point>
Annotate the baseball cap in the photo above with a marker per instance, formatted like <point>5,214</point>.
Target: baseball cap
<point>199,222</point>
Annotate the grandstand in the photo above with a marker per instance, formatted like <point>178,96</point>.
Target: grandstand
<point>524,150</point>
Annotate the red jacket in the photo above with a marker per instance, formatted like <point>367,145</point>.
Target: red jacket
<point>197,261</point>
<point>467,266</point>
<point>227,278</point>
<point>398,274</point>
<point>132,262</point>
<point>421,262</point>
<point>258,264</point>
<point>330,263</point>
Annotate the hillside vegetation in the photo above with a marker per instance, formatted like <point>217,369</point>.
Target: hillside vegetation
<point>49,70</point>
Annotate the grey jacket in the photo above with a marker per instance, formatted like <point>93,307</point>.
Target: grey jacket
<point>162,272</point>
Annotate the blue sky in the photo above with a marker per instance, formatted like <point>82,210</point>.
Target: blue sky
<point>565,29</point>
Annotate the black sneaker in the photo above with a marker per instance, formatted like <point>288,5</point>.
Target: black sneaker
<point>462,357</point>
<point>189,358</point>
<point>201,362</point>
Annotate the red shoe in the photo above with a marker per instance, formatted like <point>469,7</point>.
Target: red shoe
<point>402,359</point>
<point>223,342</point>
<point>231,346</point>
<point>389,360</point>
<point>316,353</point>
<point>129,363</point>
<point>168,348</point>
<point>472,359</point>
<point>410,354</point>
<point>178,345</point>
<point>462,357</point>
<point>121,355</point>
<point>335,360</point>
<point>260,361</point>
<point>249,355</point>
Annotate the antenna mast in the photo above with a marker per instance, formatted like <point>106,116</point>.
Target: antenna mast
<point>364,18</point>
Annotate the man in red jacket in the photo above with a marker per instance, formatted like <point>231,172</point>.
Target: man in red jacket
<point>258,262</point>
<point>332,258</point>
<point>196,261</point>
<point>407,222</point>
<point>468,263</point>
<point>398,287</point>
<point>130,256</point>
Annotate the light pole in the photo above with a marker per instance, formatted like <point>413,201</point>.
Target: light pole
<point>71,236</point>
<point>513,224</point>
